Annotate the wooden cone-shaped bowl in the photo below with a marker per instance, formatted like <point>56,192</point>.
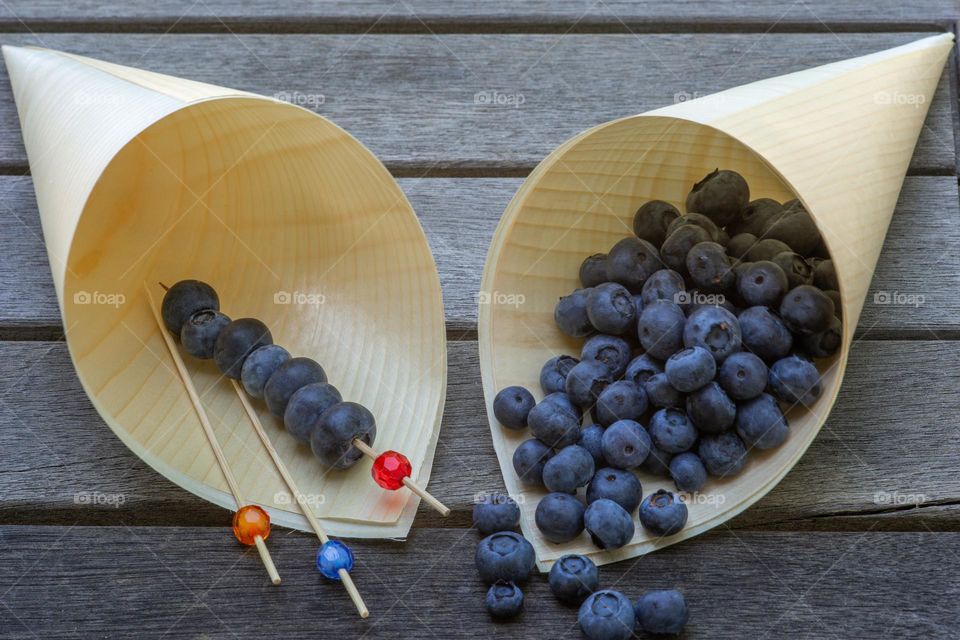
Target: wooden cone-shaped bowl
<point>839,137</point>
<point>142,177</point>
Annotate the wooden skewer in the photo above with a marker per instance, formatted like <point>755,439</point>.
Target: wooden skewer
<point>211,436</point>
<point>301,499</point>
<point>441,508</point>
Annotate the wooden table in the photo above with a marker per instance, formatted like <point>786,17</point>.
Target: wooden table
<point>861,539</point>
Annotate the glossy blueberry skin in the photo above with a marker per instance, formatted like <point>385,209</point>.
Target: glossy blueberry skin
<point>672,431</point>
<point>743,375</point>
<point>688,472</point>
<point>622,400</point>
<point>585,382</point>
<point>755,216</point>
<point>631,261</point>
<point>663,513</point>
<point>287,379</point>
<point>709,267</point>
<point>332,437</point>
<point>305,408</point>
<point>553,375</point>
<point>259,366</point>
<point>766,249</point>
<point>806,309</point>
<point>721,195</point>
<point>823,344</point>
<point>740,244</point>
<point>504,600</point>
<point>529,459</point>
<point>573,578</point>
<point>650,222</point>
<point>760,423</point>
<point>657,462</point>
<point>593,270</point>
<point>495,512</point>
<point>662,612</point>
<point>762,283</point>
<point>714,328</point>
<point>765,334</point>
<point>625,444</point>
<point>609,525</point>
<point>623,487</point>
<point>236,341</point>
<point>723,454</point>
<point>689,369</point>
<point>661,394</point>
<point>332,556</point>
<point>199,333</point>
<point>675,248</point>
<point>571,468</point>
<point>607,615</point>
<point>664,284</point>
<point>660,328</point>
<point>697,219</point>
<point>506,556</point>
<point>184,299</point>
<point>570,314</point>
<point>590,439</point>
<point>825,276</point>
<point>555,421</point>
<point>795,267</point>
<point>559,517</point>
<point>795,381</point>
<point>641,368</point>
<point>610,308</point>
<point>710,409</point>
<point>512,405</point>
<point>614,352</point>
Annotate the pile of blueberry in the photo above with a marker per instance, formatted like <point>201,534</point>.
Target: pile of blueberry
<point>505,559</point>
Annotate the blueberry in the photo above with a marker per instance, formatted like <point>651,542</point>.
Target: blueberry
<point>837,307</point>
<point>199,333</point>
<point>764,333</point>
<point>236,341</point>
<point>825,343</point>
<point>504,600</point>
<point>642,368</point>
<point>795,267</point>
<point>723,238</point>
<point>723,454</point>
<point>795,380</point>
<point>622,400</point>
<point>586,380</point>
<point>661,329</point>
<point>743,375</point>
<point>529,459</point>
<point>755,217</point>
<point>590,439</point>
<point>610,308</point>
<point>570,314</point>
<point>184,299</point>
<point>761,424</point>
<point>688,472</point>
<point>661,393</point>
<point>609,524</point>
<point>553,375</point>
<point>607,615</point>
<point>650,222</point>
<point>559,517</point>
<point>672,431</point>
<point>619,485</point>
<point>512,405</point>
<point>795,228</point>
<point>305,407</point>
<point>631,261</point>
<point>612,351</point>
<point>709,267</point>
<point>495,512</point>
<point>259,366</point>
<point>593,270</point>
<point>290,376</point>
<point>506,556</point>
<point>555,420</point>
<point>740,244</point>
<point>690,369</point>
<point>715,329</point>
<point>664,284</point>
<point>637,304</point>
<point>663,513</point>
<point>675,248</point>
<point>721,196</point>
<point>571,468</point>
<point>332,438</point>
<point>762,283</point>
<point>766,249</point>
<point>806,309</point>
<point>696,219</point>
<point>825,276</point>
<point>573,578</point>
<point>710,409</point>
<point>662,612</point>
<point>657,462</point>
<point>625,444</point>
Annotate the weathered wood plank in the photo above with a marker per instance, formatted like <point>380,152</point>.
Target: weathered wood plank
<point>460,215</point>
<point>459,103</point>
<point>889,447</point>
<point>62,582</point>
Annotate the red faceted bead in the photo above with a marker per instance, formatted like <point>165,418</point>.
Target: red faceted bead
<point>389,470</point>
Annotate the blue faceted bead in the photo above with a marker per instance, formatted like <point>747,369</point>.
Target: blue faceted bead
<point>333,556</point>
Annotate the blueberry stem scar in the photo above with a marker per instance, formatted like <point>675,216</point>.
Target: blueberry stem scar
<point>371,453</point>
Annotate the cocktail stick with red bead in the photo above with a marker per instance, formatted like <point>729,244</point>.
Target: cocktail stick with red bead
<point>391,470</point>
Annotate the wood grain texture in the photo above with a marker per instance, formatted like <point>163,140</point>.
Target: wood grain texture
<point>65,582</point>
<point>459,216</point>
<point>446,103</point>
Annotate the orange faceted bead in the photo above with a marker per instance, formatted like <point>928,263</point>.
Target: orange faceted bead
<point>249,522</point>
